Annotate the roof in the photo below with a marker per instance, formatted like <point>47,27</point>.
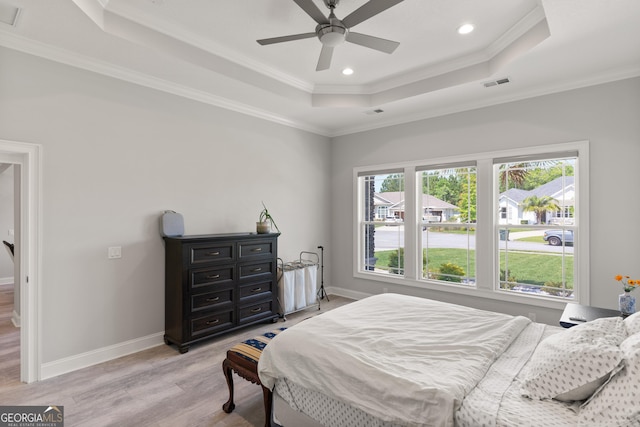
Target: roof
<point>551,189</point>
<point>395,199</point>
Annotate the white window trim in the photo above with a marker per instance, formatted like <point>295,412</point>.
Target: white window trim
<point>487,252</point>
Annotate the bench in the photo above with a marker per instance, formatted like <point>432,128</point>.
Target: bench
<point>243,360</point>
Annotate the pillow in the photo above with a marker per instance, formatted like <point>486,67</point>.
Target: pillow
<point>617,402</point>
<point>632,323</point>
<point>572,364</point>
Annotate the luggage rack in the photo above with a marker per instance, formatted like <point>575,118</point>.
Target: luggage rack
<point>298,283</point>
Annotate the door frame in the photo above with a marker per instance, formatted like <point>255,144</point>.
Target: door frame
<point>28,156</point>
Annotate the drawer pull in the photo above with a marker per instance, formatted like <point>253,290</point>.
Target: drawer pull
<point>255,270</point>
<point>212,322</point>
<point>256,250</point>
<point>213,253</point>
<point>213,299</point>
<point>213,276</point>
<point>256,310</point>
<point>256,290</point>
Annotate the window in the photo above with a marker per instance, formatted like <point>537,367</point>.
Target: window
<point>504,224</point>
<point>536,243</point>
<point>448,216</point>
<point>381,227</point>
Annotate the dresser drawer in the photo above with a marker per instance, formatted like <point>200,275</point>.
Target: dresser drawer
<point>210,323</point>
<point>211,276</point>
<point>255,270</point>
<point>250,250</point>
<point>221,252</point>
<point>211,300</point>
<point>256,311</point>
<point>257,289</point>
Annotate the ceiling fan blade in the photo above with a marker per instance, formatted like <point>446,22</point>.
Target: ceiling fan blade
<point>324,62</point>
<point>312,10</point>
<point>383,45</point>
<point>286,38</point>
<point>367,10</point>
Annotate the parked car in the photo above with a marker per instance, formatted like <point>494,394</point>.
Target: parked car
<point>392,220</point>
<point>554,237</point>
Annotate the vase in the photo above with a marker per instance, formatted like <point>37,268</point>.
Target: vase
<point>263,227</point>
<point>627,303</point>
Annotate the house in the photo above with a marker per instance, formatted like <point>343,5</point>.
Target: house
<point>391,204</point>
<point>561,190</point>
<point>106,148</point>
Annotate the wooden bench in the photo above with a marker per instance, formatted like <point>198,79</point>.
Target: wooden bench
<point>243,359</point>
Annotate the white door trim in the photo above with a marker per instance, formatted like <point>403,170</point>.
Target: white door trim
<point>28,156</point>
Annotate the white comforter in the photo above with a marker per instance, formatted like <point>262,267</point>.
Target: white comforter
<point>406,360</point>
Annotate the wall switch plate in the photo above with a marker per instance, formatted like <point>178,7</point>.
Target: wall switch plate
<point>11,233</point>
<point>115,252</point>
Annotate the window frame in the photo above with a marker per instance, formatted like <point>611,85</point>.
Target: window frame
<point>487,243</point>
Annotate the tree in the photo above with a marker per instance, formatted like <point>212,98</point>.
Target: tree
<point>540,206</point>
<point>467,199</point>
<point>393,182</point>
<point>540,176</point>
<point>447,188</point>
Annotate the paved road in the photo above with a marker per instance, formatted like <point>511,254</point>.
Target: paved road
<point>391,237</point>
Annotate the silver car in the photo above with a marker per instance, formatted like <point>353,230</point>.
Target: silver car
<point>555,237</point>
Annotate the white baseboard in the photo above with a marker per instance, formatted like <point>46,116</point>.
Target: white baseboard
<point>15,319</point>
<point>6,280</point>
<point>347,293</point>
<point>79,361</point>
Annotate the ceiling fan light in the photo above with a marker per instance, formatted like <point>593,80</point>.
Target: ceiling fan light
<point>331,35</point>
<point>465,28</point>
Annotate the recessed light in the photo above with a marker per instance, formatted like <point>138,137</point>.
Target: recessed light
<point>347,71</point>
<point>465,29</point>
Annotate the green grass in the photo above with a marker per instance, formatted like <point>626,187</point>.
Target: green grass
<point>533,268</point>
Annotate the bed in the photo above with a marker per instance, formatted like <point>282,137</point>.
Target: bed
<point>396,360</point>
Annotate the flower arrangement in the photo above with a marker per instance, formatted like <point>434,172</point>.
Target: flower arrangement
<point>628,284</point>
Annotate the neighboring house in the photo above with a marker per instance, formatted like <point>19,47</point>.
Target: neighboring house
<point>391,204</point>
<point>562,190</point>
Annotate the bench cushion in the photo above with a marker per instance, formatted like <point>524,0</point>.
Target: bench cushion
<point>251,349</point>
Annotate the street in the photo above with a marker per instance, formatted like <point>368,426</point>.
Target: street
<point>392,237</point>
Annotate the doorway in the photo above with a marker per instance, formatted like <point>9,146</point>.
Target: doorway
<point>25,159</point>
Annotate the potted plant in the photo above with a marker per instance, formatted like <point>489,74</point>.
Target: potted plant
<point>265,221</point>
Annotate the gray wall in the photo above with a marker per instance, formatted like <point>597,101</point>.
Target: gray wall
<point>607,115</point>
<point>115,156</point>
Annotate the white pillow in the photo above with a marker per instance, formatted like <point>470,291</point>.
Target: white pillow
<point>632,323</point>
<point>617,403</point>
<point>572,364</point>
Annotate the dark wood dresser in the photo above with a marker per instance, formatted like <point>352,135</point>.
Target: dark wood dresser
<point>218,283</point>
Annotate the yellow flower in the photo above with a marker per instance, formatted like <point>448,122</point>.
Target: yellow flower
<point>628,284</point>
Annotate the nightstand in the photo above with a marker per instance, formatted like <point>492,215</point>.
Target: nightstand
<point>576,314</point>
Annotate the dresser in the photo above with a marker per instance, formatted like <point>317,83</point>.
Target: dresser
<point>218,283</point>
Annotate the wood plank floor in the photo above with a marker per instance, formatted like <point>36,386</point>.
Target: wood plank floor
<point>155,387</point>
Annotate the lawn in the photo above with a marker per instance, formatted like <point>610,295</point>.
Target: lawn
<point>534,268</point>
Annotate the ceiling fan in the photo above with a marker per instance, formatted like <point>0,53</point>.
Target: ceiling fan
<point>332,31</point>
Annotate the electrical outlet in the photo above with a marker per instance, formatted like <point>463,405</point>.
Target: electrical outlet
<point>532,317</point>
<point>385,290</point>
<point>114,252</point>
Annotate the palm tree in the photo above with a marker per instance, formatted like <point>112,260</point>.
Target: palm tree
<point>540,205</point>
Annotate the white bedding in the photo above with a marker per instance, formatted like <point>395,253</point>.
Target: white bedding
<point>419,357</point>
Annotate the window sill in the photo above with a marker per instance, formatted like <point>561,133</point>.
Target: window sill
<point>469,290</point>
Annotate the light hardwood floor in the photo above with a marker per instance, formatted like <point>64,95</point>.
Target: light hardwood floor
<point>155,387</point>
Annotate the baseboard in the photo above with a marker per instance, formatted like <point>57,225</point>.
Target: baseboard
<point>79,361</point>
<point>6,280</point>
<point>15,319</point>
<point>347,293</point>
